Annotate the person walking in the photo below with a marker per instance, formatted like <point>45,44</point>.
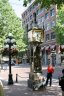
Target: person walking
<point>50,70</point>
<point>61,82</point>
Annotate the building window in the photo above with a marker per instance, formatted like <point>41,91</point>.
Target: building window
<point>31,24</point>
<point>33,6</point>
<point>24,22</point>
<point>43,19</point>
<point>46,16</point>
<point>37,12</point>
<point>39,21</point>
<point>26,13</point>
<point>36,4</point>
<point>52,12</point>
<point>42,10</point>
<point>47,26</point>
<point>52,24</point>
<point>53,35</point>
<point>27,27</point>
<point>22,16</point>
<point>30,8</point>
<point>47,37</point>
<point>30,17</point>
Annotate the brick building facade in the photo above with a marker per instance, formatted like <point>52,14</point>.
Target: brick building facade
<point>45,18</point>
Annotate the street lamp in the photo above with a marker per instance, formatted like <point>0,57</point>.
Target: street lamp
<point>10,44</point>
<point>53,55</point>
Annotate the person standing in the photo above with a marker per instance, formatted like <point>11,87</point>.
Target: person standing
<point>50,70</point>
<point>61,82</point>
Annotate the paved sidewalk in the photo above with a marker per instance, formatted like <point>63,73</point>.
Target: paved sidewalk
<point>21,88</point>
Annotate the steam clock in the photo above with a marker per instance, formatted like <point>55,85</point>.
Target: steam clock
<point>35,38</point>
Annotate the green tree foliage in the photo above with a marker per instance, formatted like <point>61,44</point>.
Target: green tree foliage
<point>10,23</point>
<point>45,3</point>
<point>59,28</point>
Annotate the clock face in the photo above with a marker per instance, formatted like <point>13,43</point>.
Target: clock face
<point>36,36</point>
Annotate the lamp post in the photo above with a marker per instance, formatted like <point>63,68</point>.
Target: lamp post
<point>53,55</point>
<point>10,44</point>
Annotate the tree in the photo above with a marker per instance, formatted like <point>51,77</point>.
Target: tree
<point>10,23</point>
<point>45,3</point>
<point>59,28</point>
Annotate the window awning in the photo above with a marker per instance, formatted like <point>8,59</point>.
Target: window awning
<point>47,47</point>
<point>53,46</point>
<point>62,46</point>
<point>42,48</point>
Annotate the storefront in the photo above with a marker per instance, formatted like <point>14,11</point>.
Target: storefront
<point>45,55</point>
<point>48,56</point>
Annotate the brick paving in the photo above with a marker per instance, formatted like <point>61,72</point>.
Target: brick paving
<point>21,88</point>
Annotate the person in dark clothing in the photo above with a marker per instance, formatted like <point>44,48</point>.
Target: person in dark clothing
<point>50,70</point>
<point>61,82</point>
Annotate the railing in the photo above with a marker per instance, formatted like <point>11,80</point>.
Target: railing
<point>20,77</point>
<point>17,77</point>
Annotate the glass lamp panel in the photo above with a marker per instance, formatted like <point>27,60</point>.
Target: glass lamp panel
<point>12,40</point>
<point>36,36</point>
<point>13,47</point>
<point>6,46</point>
<point>7,40</point>
<point>10,35</point>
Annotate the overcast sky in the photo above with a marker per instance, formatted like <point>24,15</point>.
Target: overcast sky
<point>17,6</point>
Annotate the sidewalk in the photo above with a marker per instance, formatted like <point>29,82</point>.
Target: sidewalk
<point>21,88</point>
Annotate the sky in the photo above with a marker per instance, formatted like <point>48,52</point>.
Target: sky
<point>18,7</point>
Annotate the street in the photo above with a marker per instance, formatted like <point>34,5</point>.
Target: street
<point>20,88</point>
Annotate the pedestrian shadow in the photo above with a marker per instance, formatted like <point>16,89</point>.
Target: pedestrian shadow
<point>17,89</point>
<point>21,89</point>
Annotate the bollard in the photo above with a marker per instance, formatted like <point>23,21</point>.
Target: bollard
<point>16,78</point>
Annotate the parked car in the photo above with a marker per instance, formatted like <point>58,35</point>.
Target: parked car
<point>13,63</point>
<point>7,63</point>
